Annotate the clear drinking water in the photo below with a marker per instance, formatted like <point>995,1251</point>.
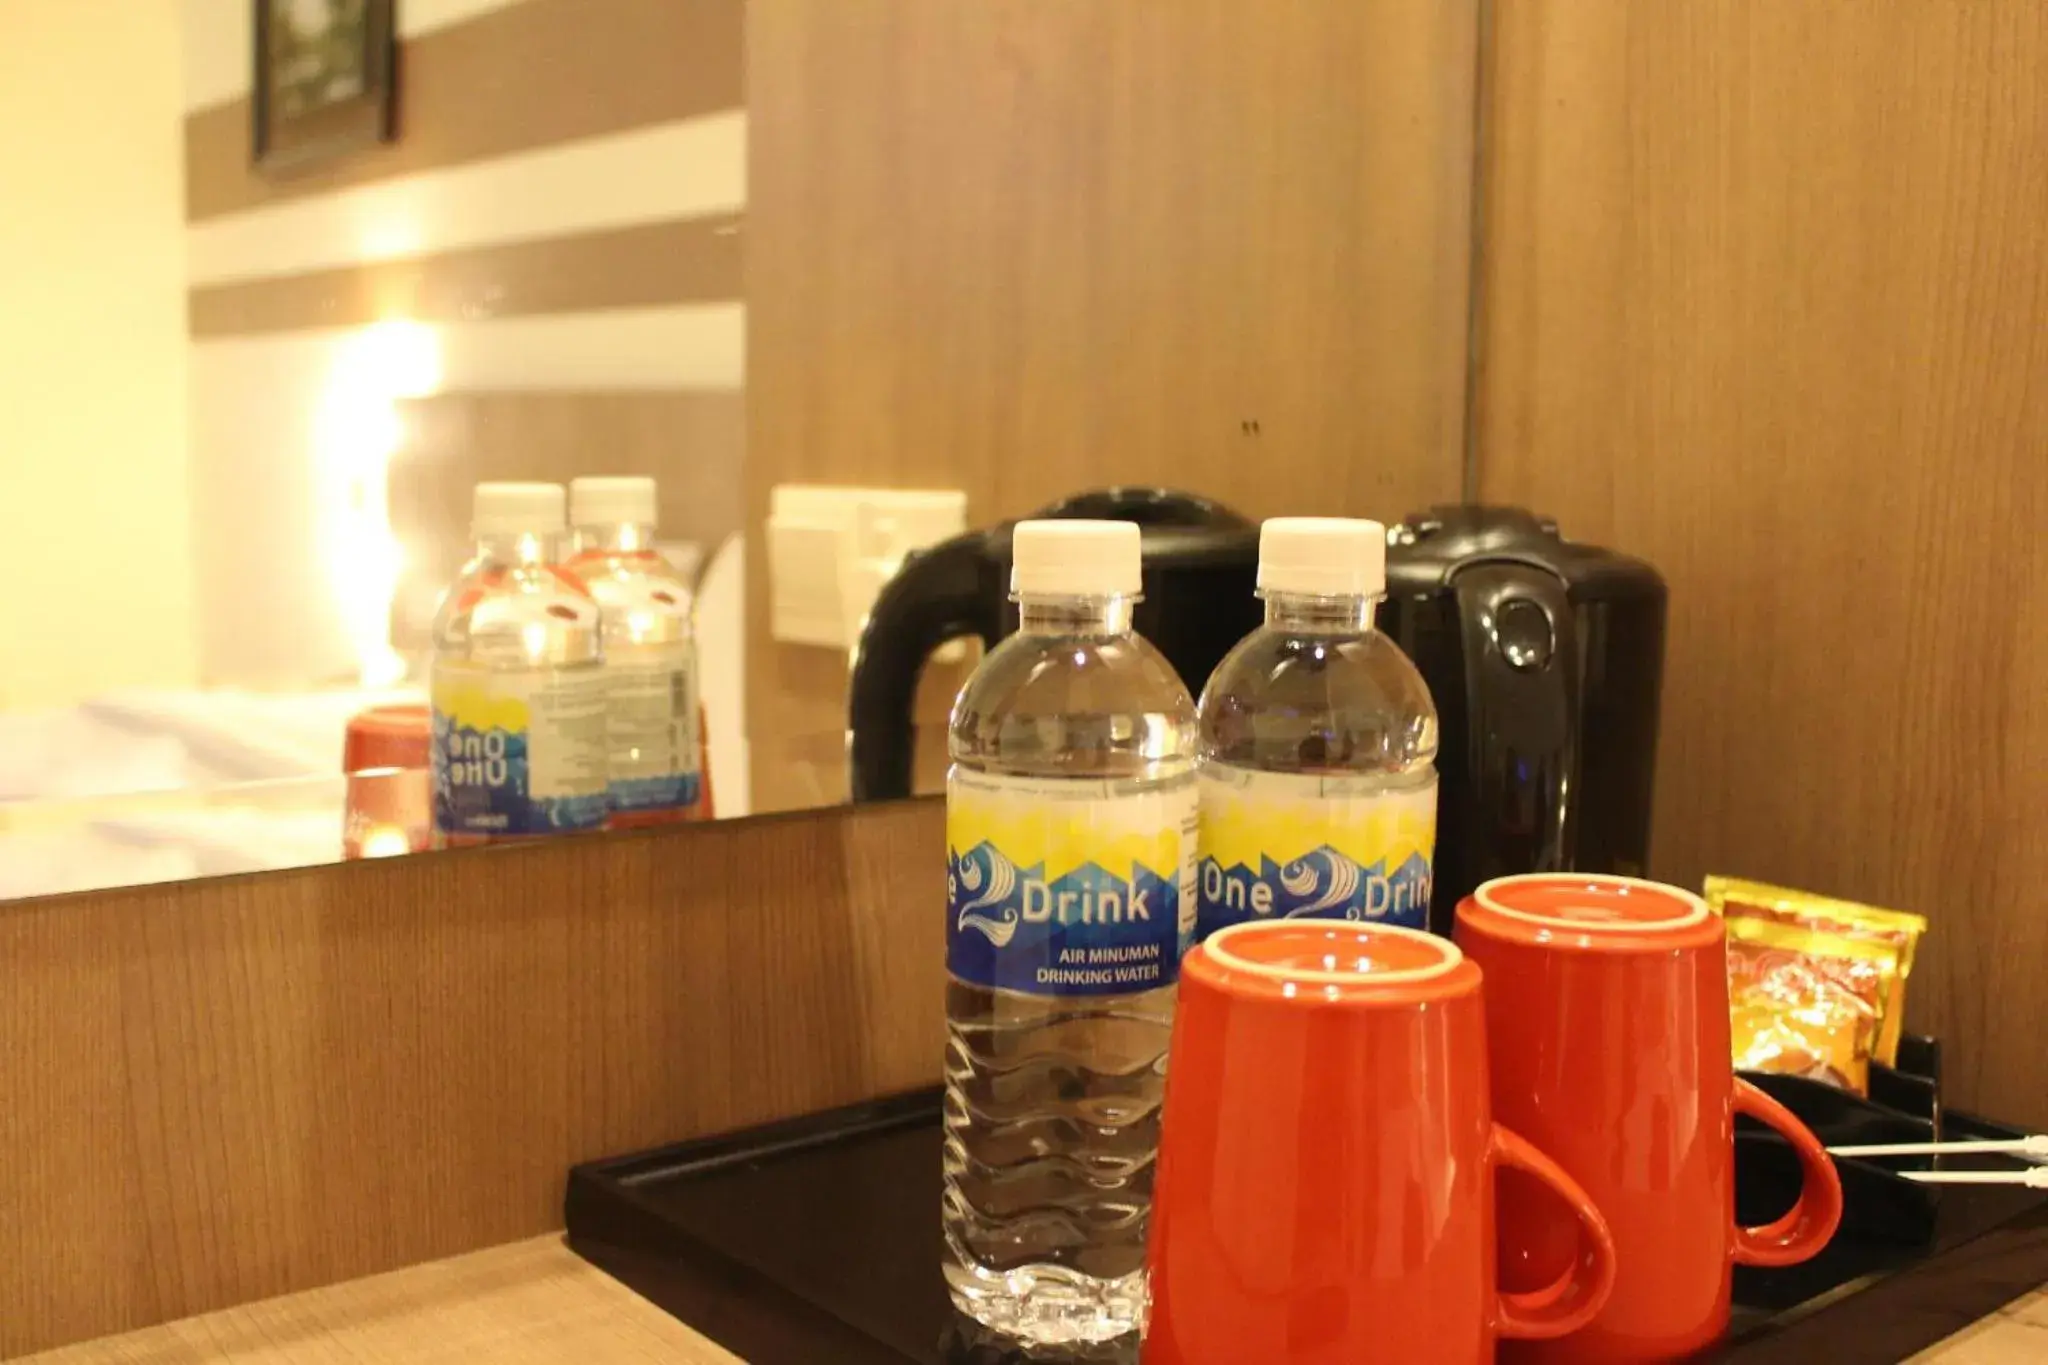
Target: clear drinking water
<point>1319,744</point>
<point>650,653</point>
<point>1070,812</point>
<point>518,681</point>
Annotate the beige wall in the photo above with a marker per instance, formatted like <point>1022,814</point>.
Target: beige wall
<point>94,540</point>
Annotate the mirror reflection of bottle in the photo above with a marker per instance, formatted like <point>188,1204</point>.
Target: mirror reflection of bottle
<point>654,728</point>
<point>518,684</point>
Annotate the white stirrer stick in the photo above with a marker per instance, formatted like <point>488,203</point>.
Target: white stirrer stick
<point>2035,1146</point>
<point>2037,1178</point>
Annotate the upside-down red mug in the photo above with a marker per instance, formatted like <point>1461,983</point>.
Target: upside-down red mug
<point>1607,1030</point>
<point>1325,1193</point>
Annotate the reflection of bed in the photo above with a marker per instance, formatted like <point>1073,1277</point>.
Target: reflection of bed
<point>148,786</point>
<point>52,848</point>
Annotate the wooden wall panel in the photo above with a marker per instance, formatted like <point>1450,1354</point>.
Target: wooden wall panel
<point>1027,247</point>
<point>1765,293</point>
<point>224,1090</point>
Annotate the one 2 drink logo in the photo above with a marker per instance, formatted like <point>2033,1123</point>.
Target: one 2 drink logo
<point>1321,884</point>
<point>1075,897</point>
<point>1284,845</point>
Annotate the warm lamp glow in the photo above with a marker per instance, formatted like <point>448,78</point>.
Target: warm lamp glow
<point>385,841</point>
<point>390,239</point>
<point>401,357</point>
<point>357,429</point>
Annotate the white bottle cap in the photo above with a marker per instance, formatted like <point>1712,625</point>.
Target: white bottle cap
<point>510,509</point>
<point>612,501</point>
<point>1323,557</point>
<point>1075,559</point>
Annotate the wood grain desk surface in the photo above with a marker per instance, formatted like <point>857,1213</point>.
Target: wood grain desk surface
<point>538,1302</point>
<point>2015,1335</point>
<point>528,1303</point>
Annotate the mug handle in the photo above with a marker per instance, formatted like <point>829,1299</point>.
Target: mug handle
<point>1578,1295</point>
<point>1801,1233</point>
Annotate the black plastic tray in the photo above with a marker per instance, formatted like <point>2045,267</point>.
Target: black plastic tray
<point>816,1241</point>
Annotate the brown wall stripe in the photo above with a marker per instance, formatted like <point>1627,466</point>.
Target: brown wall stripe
<point>529,75</point>
<point>693,260</point>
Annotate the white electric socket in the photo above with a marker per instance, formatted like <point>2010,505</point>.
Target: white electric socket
<point>830,550</point>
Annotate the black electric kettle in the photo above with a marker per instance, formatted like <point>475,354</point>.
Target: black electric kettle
<point>1545,659</point>
<point>1200,565</point>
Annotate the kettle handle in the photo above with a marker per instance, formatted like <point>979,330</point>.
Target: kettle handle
<point>935,597</point>
<point>1522,702</point>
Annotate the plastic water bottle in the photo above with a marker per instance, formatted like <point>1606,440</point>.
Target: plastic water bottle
<point>1318,744</point>
<point>518,682</point>
<point>1070,813</point>
<point>650,653</point>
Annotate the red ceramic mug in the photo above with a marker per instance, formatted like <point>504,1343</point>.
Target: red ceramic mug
<point>1607,1030</point>
<point>1325,1193</point>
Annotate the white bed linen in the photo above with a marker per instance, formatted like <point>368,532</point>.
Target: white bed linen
<point>148,786</point>
<point>51,862</point>
<point>144,741</point>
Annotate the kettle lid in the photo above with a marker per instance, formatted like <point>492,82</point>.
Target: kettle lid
<point>1145,506</point>
<point>1427,548</point>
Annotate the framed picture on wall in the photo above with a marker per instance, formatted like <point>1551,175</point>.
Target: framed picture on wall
<point>325,80</point>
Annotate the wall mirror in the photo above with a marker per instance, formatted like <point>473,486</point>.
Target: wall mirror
<point>289,278</point>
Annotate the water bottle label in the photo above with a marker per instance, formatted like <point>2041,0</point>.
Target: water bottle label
<point>1281,845</point>
<point>652,732</point>
<point>1068,887</point>
<point>518,752</point>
